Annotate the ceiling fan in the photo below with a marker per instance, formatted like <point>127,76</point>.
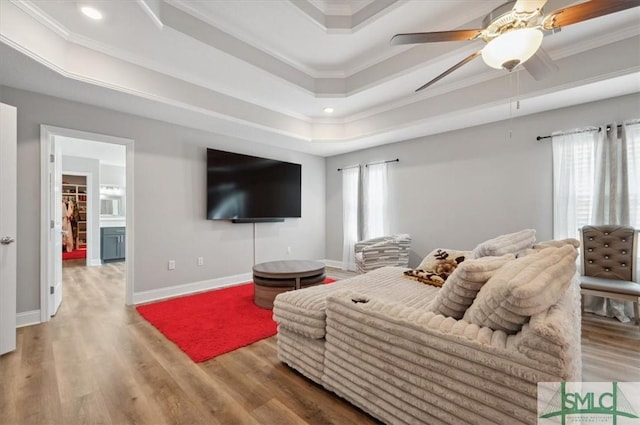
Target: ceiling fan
<point>513,33</point>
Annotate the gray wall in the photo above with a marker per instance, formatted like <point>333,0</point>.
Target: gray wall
<point>456,189</point>
<point>92,167</point>
<point>169,198</point>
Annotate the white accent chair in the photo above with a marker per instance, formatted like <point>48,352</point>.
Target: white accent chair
<point>383,251</point>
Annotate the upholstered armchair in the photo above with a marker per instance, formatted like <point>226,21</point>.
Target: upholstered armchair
<point>608,262</point>
<point>382,251</point>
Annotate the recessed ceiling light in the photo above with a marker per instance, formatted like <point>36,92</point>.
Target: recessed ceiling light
<point>328,110</point>
<point>91,12</point>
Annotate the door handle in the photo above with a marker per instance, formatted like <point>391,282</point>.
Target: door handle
<point>7,240</point>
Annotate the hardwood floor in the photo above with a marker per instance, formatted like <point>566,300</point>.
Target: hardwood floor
<point>99,362</point>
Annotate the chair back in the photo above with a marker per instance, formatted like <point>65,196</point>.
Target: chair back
<point>608,251</point>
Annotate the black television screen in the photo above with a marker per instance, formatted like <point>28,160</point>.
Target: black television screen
<point>243,187</point>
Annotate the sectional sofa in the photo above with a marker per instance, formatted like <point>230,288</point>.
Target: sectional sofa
<point>471,351</point>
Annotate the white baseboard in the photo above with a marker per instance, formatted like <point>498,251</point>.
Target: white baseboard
<point>333,263</point>
<point>27,318</point>
<point>95,262</point>
<point>190,288</point>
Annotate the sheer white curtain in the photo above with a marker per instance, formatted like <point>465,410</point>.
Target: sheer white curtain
<point>596,181</point>
<point>350,186</point>
<point>573,180</point>
<point>375,201</point>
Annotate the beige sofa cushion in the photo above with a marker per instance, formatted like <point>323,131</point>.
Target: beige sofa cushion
<point>461,288</point>
<point>511,243</point>
<point>557,243</point>
<point>523,287</point>
<point>549,244</point>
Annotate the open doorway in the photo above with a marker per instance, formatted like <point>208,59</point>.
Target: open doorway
<point>103,166</point>
<point>94,174</point>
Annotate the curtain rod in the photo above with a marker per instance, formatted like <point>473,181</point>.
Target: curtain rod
<point>579,131</point>
<point>351,166</point>
<point>382,162</point>
<point>370,163</point>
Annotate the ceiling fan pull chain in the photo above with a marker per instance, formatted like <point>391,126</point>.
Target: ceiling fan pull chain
<point>518,89</point>
<point>511,99</point>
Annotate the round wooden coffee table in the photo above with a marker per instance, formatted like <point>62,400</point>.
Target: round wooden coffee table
<point>275,277</point>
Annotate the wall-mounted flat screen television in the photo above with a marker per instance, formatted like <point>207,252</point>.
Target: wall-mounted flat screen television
<point>248,188</point>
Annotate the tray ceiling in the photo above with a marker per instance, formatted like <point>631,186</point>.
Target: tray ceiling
<point>265,71</point>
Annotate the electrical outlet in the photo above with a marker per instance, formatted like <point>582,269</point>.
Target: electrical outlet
<point>288,250</point>
<point>200,261</point>
<point>172,264</point>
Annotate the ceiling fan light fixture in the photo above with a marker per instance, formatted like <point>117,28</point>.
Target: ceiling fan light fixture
<point>512,48</point>
<point>91,12</point>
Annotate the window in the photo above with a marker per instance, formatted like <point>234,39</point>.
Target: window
<point>596,178</point>
<point>364,209</point>
<point>574,176</point>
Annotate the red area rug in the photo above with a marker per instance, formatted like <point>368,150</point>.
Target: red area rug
<point>74,255</point>
<point>211,323</point>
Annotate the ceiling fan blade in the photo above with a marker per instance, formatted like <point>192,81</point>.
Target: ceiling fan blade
<point>540,65</point>
<point>433,37</point>
<point>529,6</point>
<point>450,70</point>
<point>584,11</point>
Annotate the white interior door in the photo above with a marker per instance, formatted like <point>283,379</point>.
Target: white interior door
<point>8,227</point>
<point>55,177</point>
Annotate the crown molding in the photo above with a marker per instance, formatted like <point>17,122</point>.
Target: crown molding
<point>34,11</point>
<point>193,9</point>
<point>159,68</point>
<point>341,18</point>
<point>344,8</point>
<point>152,9</point>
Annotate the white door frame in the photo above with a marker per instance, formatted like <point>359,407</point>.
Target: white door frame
<point>55,227</point>
<point>47,254</point>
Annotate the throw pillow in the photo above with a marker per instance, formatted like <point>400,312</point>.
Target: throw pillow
<point>511,243</point>
<point>461,288</point>
<point>436,267</point>
<point>428,277</point>
<point>557,243</point>
<point>548,244</point>
<point>440,255</point>
<point>523,287</point>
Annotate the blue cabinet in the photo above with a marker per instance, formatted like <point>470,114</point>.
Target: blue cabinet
<point>112,244</point>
